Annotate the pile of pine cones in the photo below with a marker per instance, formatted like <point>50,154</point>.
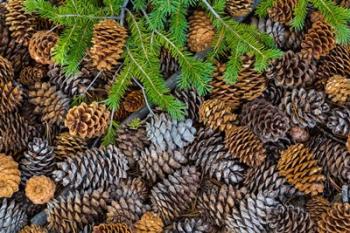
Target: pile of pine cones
<point>270,153</point>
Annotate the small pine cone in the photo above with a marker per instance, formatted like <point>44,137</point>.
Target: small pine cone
<point>273,93</point>
<point>217,114</point>
<point>305,108</point>
<point>6,71</point>
<point>12,216</point>
<point>68,146</point>
<point>133,101</point>
<point>40,189</point>
<point>201,31</point>
<point>168,64</point>
<point>266,120</point>
<point>218,202</point>
<point>336,219</point>
<point>150,222</point>
<point>11,96</point>
<point>72,212</point>
<point>41,45</point>
<point>156,164</point>
<point>108,42</point>
<point>318,41</point>
<point>33,229</point>
<point>282,11</point>
<point>168,134</point>
<point>300,168</point>
<point>174,195</point>
<point>88,169</point>
<point>21,23</point>
<point>291,71</point>
<point>316,206</point>
<point>192,101</point>
<point>339,121</point>
<point>10,176</point>
<point>38,160</point>
<point>338,89</point>
<point>238,8</point>
<point>32,74</point>
<point>112,228</point>
<point>87,121</point>
<point>287,219</point>
<point>299,135</point>
<point>51,103</point>
<point>190,225</point>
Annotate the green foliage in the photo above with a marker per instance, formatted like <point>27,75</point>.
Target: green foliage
<point>135,123</point>
<point>77,100</point>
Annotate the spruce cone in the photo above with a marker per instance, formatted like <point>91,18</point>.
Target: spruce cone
<point>20,23</point>
<point>38,160</point>
<point>6,71</point>
<point>238,8</point>
<point>40,189</point>
<point>10,97</point>
<point>174,195</point>
<point>51,103</point>
<point>87,121</point>
<point>266,120</point>
<point>190,225</point>
<point>12,216</point>
<point>133,101</point>
<point>305,108</point>
<point>338,89</point>
<point>32,74</point>
<point>168,134</point>
<point>33,229</point>
<point>41,45</point>
<point>336,220</point>
<point>149,223</point>
<point>316,206</point>
<point>10,176</point>
<point>244,145</point>
<point>339,121</point>
<point>108,41</point>
<point>89,169</point>
<point>192,101</point>
<point>68,146</point>
<point>201,31</point>
<point>300,169</point>
<point>73,212</point>
<point>112,228</point>
<point>291,71</point>
<point>168,64</point>
<point>282,11</point>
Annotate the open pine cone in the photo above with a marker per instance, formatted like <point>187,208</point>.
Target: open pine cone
<point>237,8</point>
<point>150,222</point>
<point>10,176</point>
<point>336,219</point>
<point>41,45</point>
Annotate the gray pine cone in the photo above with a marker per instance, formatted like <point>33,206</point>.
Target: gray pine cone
<point>192,101</point>
<point>227,171</point>
<point>129,188</point>
<point>339,121</point>
<point>12,217</point>
<point>190,225</point>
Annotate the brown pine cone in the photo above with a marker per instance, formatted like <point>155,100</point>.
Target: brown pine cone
<point>316,206</point>
<point>338,89</point>
<point>282,11</point>
<point>41,45</point>
<point>273,93</point>
<point>33,229</point>
<point>10,176</point>
<point>299,135</point>
<point>300,168</point>
<point>133,101</point>
<point>20,22</point>
<point>168,64</point>
<point>87,121</point>
<point>348,143</point>
<point>6,70</point>
<point>150,222</point>
<point>108,43</point>
<point>238,8</point>
<point>291,71</point>
<point>201,31</point>
<point>112,228</point>
<point>244,145</point>
<point>67,145</point>
<point>11,97</point>
<point>40,189</point>
<point>32,74</point>
<point>336,219</point>
<point>192,100</point>
<point>190,225</point>
<point>345,3</point>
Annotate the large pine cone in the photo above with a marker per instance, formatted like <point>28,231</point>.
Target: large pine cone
<point>10,176</point>
<point>238,8</point>
<point>12,216</point>
<point>108,42</point>
<point>336,219</point>
<point>72,212</point>
<point>190,225</point>
<point>305,108</point>
<point>67,145</point>
<point>339,121</point>
<point>33,229</point>
<point>10,97</point>
<point>51,103</point>
<point>87,121</point>
<point>282,11</point>
<point>88,169</point>
<point>192,101</point>
<point>316,206</point>
<point>291,71</point>
<point>32,74</point>
<point>41,45</point>
<point>174,195</point>
<point>40,189</point>
<point>265,120</point>
<point>112,228</point>
<point>338,89</point>
<point>149,223</point>
<point>6,71</point>
<point>201,31</point>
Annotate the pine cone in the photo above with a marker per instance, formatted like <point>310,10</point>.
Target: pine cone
<point>183,186</point>
<point>338,89</point>
<point>168,134</point>
<point>12,216</point>
<point>40,189</point>
<point>190,225</point>
<point>11,97</point>
<point>299,135</point>
<point>291,71</point>
<point>238,8</point>
<point>33,229</point>
<point>348,143</point>
<point>38,160</point>
<point>201,31</point>
<point>336,220</point>
<point>192,101</point>
<point>6,71</point>
<point>112,228</point>
<point>108,42</point>
<point>133,101</point>
<point>50,102</point>
<point>10,176</point>
<point>225,170</point>
<point>134,188</point>
<point>273,93</point>
<point>300,168</point>
<point>29,75</point>
<point>68,146</point>
<point>20,22</point>
<point>282,11</point>
<point>266,120</point>
<point>72,212</point>
<point>88,168</point>
<point>41,45</point>
<point>339,121</point>
<point>149,223</point>
<point>305,108</point>
<point>316,206</point>
<point>168,64</point>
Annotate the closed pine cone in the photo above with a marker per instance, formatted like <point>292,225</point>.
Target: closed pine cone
<point>6,70</point>
<point>67,145</point>
<point>282,11</point>
<point>192,100</point>
<point>108,42</point>
<point>112,228</point>
<point>41,45</point>
<point>33,229</point>
<point>339,121</point>
<point>336,219</point>
<point>300,168</point>
<point>10,176</point>
<point>12,216</point>
<point>32,74</point>
<point>190,225</point>
<point>201,31</point>
<point>87,121</point>
<point>244,145</point>
<point>10,97</point>
<point>316,206</point>
<point>237,8</point>
<point>133,101</point>
<point>40,189</point>
<point>150,222</point>
<point>338,89</point>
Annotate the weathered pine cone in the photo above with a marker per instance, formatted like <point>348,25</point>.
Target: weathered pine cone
<point>168,64</point>
<point>111,228</point>
<point>339,122</point>
<point>67,145</point>
<point>33,229</point>
<point>133,101</point>
<point>317,206</point>
<point>192,100</point>
<point>12,216</point>
<point>11,96</point>
<point>282,11</point>
<point>40,189</point>
<point>190,225</point>
<point>336,219</point>
<point>150,222</point>
<point>32,74</point>
<point>10,176</point>
<point>41,45</point>
<point>238,8</point>
<point>6,71</point>
<point>338,89</point>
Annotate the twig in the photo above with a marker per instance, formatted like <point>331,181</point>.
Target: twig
<point>92,83</point>
<point>144,95</point>
<point>88,16</point>
<point>122,12</point>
